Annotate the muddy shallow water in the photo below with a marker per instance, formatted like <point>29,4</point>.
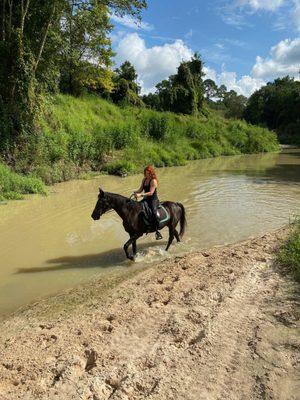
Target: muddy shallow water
<point>51,243</point>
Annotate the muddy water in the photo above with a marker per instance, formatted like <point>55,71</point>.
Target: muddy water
<point>51,243</point>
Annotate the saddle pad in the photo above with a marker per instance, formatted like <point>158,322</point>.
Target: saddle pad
<point>162,212</point>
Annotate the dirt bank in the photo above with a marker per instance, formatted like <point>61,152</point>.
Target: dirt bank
<point>218,324</point>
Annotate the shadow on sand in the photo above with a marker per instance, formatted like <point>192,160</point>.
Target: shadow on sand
<point>101,260</point>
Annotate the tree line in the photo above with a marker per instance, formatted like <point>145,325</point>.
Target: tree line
<point>65,46</point>
<point>53,45</point>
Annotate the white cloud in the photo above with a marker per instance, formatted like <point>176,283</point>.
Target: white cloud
<point>245,86</point>
<point>255,5</point>
<point>230,17</point>
<point>210,73</point>
<point>235,12</point>
<point>284,60</point>
<point>152,64</point>
<point>132,23</point>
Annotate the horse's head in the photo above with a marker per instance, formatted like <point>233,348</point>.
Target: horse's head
<point>102,205</point>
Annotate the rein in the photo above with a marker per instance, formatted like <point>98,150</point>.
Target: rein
<point>132,197</point>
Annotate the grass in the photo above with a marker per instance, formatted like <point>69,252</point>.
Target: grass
<point>289,254</point>
<point>13,186</point>
<point>78,135</point>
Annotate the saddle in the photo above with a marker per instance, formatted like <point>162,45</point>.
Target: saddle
<point>150,220</point>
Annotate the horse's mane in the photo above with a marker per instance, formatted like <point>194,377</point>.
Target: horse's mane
<point>122,198</point>
<point>116,195</point>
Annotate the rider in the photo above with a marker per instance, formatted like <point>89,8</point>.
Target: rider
<point>148,190</point>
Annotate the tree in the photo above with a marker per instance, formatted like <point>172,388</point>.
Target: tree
<point>221,92</point>
<point>210,89</point>
<point>34,43</point>
<point>277,106</point>
<point>126,90</point>
<point>85,55</point>
<point>235,104</point>
<point>182,92</point>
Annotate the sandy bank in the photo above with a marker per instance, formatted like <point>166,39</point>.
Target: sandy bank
<point>217,324</point>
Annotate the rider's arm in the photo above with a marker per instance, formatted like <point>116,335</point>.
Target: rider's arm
<point>153,186</point>
<point>141,187</point>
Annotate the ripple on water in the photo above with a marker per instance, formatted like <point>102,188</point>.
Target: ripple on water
<point>51,243</point>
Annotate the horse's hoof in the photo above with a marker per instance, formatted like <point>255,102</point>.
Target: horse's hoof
<point>132,258</point>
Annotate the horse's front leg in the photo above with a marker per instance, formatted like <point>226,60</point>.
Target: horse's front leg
<point>134,248</point>
<point>132,241</point>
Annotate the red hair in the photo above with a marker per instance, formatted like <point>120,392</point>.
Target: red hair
<point>151,171</point>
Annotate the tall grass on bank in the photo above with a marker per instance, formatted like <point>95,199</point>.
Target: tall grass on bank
<point>289,254</point>
<point>90,134</point>
<point>13,186</point>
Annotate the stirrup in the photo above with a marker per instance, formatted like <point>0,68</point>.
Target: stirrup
<point>158,235</point>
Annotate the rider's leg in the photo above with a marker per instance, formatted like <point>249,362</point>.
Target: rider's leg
<point>154,206</point>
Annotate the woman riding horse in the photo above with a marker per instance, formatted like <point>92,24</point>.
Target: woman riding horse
<point>148,190</point>
<point>131,214</point>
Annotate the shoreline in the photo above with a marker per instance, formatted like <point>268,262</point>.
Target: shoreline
<point>71,297</point>
<point>190,327</point>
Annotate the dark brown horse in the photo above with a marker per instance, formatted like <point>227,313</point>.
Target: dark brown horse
<point>131,213</point>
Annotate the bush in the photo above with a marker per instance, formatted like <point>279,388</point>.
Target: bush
<point>158,126</point>
<point>122,135</point>
<point>77,135</point>
<point>13,185</point>
<point>237,135</point>
<point>120,168</point>
<point>289,254</point>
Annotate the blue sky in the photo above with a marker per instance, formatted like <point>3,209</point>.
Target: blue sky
<point>243,43</point>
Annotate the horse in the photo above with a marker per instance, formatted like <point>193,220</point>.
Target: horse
<point>131,212</point>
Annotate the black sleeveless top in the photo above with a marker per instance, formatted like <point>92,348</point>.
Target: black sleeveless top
<point>146,188</point>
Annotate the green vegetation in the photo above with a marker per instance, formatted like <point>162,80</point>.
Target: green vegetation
<point>181,93</point>
<point>277,106</point>
<point>13,186</point>
<point>90,134</point>
<point>55,137</point>
<point>289,254</point>
<point>52,45</point>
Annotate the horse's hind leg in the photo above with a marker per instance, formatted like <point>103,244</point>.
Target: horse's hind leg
<point>176,235</point>
<point>171,237</point>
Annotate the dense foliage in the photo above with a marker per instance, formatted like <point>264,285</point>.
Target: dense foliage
<point>13,186</point>
<point>229,102</point>
<point>45,44</point>
<point>126,90</point>
<point>182,92</point>
<point>63,46</point>
<point>89,133</point>
<point>277,106</point>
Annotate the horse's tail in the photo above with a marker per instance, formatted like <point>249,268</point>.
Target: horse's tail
<point>182,220</point>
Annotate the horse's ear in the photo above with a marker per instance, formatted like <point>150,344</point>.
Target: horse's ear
<point>101,192</point>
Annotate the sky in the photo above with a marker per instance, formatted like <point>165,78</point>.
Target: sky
<point>244,43</point>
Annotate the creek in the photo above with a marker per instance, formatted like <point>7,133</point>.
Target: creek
<point>51,243</point>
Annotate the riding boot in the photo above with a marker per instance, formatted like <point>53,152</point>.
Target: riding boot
<point>154,206</point>
<point>158,235</point>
